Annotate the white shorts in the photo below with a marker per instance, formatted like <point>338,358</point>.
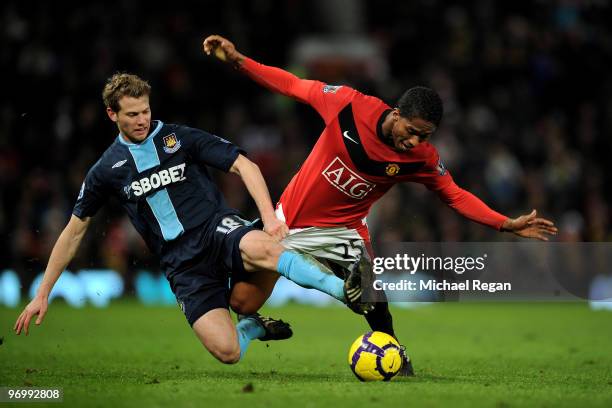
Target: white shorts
<point>340,245</point>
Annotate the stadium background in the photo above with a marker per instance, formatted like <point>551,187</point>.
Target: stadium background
<point>526,88</point>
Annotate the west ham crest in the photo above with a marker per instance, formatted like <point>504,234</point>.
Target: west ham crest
<point>171,143</point>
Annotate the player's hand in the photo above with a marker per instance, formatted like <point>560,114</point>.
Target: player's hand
<point>38,306</point>
<point>276,228</point>
<point>223,49</point>
<point>529,226</point>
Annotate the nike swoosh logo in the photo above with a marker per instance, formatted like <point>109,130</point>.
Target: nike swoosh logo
<point>345,134</point>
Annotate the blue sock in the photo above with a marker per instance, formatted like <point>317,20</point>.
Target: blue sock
<point>307,272</point>
<point>248,329</point>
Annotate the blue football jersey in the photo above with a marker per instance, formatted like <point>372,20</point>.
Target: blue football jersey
<point>163,184</point>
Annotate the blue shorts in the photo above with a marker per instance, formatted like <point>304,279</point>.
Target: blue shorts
<point>204,283</point>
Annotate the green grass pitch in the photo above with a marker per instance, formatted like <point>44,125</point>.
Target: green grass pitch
<point>479,354</point>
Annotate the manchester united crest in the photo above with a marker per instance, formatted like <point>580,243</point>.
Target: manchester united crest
<point>392,169</point>
<point>171,143</point>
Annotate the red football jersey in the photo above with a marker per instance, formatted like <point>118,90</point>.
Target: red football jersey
<point>350,167</point>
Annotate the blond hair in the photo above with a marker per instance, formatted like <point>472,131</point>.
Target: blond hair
<point>123,84</point>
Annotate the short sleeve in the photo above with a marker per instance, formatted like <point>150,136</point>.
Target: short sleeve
<point>93,194</point>
<point>210,149</point>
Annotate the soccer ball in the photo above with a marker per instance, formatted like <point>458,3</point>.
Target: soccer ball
<point>375,356</point>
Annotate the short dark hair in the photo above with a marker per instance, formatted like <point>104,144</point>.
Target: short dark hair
<point>421,102</point>
<point>123,84</point>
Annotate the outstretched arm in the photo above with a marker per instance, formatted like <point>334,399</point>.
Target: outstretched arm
<point>326,100</point>
<point>275,79</point>
<point>223,49</point>
<point>63,251</point>
<point>255,183</point>
<point>530,226</point>
<point>473,208</point>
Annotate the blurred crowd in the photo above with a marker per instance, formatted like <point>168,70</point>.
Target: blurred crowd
<point>526,88</point>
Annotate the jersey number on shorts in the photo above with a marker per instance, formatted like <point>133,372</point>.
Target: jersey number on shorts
<point>228,224</point>
<point>353,244</point>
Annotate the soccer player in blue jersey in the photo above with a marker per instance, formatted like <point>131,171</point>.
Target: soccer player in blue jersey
<point>211,256</point>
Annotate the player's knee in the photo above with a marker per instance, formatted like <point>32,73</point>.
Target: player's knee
<point>272,251</point>
<point>243,308</point>
<point>227,354</point>
<point>261,251</point>
<point>245,304</point>
<point>236,304</point>
<point>239,305</point>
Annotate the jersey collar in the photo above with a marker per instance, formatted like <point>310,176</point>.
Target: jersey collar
<point>152,134</point>
<point>379,129</point>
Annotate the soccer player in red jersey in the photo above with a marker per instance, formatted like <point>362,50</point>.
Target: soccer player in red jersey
<point>365,148</point>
